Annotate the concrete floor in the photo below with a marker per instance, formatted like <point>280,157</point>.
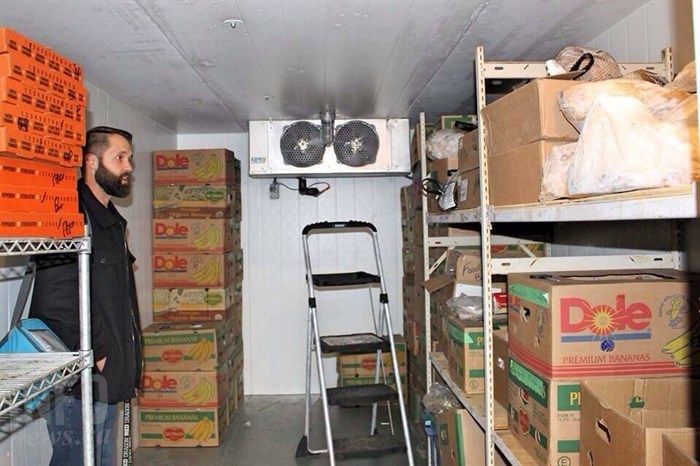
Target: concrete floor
<point>266,432</point>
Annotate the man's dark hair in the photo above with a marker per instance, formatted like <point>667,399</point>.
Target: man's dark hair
<point>97,139</point>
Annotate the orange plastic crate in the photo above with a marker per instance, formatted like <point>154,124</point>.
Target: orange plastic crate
<point>21,172</point>
<point>40,225</point>
<point>36,199</point>
<point>11,41</point>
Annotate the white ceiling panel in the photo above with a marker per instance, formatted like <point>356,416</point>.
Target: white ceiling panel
<point>177,62</point>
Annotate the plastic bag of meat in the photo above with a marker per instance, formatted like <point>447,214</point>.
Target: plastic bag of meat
<point>576,101</point>
<point>555,172</point>
<point>443,144</point>
<point>624,147</point>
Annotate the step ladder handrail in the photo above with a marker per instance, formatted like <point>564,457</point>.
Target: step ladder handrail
<point>349,224</point>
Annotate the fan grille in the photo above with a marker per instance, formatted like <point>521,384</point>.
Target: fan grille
<point>356,144</point>
<point>301,144</point>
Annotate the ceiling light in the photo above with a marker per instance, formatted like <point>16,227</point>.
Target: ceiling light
<point>233,22</point>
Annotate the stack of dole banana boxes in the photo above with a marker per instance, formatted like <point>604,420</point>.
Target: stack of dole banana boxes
<point>193,377</point>
<point>42,126</point>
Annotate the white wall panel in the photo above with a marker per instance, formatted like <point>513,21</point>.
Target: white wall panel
<point>30,445</point>
<point>274,288</point>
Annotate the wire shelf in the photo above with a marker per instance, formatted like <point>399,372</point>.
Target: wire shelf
<point>25,246</point>
<point>25,376</point>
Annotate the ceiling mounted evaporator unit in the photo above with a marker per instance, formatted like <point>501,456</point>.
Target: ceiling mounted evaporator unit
<point>329,147</point>
<point>303,144</point>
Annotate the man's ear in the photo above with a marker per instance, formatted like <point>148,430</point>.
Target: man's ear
<point>91,161</point>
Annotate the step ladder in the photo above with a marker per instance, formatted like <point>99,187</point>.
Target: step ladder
<point>382,340</point>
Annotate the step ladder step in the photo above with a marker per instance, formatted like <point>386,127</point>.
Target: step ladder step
<point>368,446</point>
<point>356,343</point>
<point>344,279</point>
<point>360,394</point>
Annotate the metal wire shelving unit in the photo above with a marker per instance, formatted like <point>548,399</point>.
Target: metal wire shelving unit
<point>25,376</point>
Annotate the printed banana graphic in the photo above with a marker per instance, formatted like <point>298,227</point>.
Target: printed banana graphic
<point>210,238</point>
<point>201,351</point>
<point>685,348</point>
<point>212,168</point>
<point>201,393</point>
<point>684,339</point>
<point>208,273</point>
<point>202,430</point>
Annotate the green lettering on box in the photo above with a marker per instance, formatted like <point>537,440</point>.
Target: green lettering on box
<point>524,378</point>
<point>569,397</point>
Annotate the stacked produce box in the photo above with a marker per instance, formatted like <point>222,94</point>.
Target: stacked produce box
<point>42,126</point>
<point>193,379</point>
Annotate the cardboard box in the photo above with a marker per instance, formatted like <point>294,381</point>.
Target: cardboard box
<point>194,304</point>
<point>461,440</point>
<point>185,347</point>
<point>165,427</point>
<point>184,389</point>
<point>623,420</point>
<point>544,416</point>
<point>187,269</point>
<point>468,156</point>
<point>363,365</point>
<point>515,176</point>
<point>681,448</point>
<point>592,324</point>
<point>500,366</point>
<point>21,172</point>
<point>200,201</point>
<point>468,186</point>
<point>526,115</point>
<point>465,353</point>
<point>440,171</point>
<point>37,199</point>
<point>196,166</point>
<point>188,235</point>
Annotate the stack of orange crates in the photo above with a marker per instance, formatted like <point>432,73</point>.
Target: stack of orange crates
<point>42,129</point>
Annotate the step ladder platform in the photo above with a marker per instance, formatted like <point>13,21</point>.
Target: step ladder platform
<point>344,279</point>
<point>356,343</point>
<point>360,394</point>
<point>368,446</point>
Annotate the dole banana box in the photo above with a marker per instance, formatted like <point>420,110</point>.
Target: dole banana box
<point>185,269</point>
<point>183,389</point>
<point>544,415</point>
<point>187,347</point>
<point>190,235</point>
<point>195,304</point>
<point>363,365</point>
<point>465,353</point>
<point>592,324</point>
<point>170,427</point>
<point>196,166</point>
<point>195,201</point>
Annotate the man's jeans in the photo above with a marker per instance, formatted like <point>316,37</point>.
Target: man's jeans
<point>65,426</point>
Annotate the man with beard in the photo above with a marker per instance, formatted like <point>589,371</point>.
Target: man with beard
<point>115,328</point>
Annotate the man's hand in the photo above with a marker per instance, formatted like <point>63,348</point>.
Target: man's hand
<point>101,364</point>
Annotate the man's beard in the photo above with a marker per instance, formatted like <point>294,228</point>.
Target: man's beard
<point>111,183</point>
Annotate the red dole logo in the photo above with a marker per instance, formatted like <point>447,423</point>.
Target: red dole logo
<point>578,316</point>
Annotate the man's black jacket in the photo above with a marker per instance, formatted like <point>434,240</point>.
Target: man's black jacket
<point>114,308</point>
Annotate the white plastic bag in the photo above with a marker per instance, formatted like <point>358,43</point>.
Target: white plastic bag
<point>624,147</point>
<point>466,307</point>
<point>443,143</point>
<point>555,172</point>
<point>576,102</point>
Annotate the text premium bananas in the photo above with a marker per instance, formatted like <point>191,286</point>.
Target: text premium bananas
<point>201,351</point>
<point>209,239</point>
<point>209,273</point>
<point>210,169</point>
<point>685,348</point>
<point>202,430</point>
<point>201,393</point>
